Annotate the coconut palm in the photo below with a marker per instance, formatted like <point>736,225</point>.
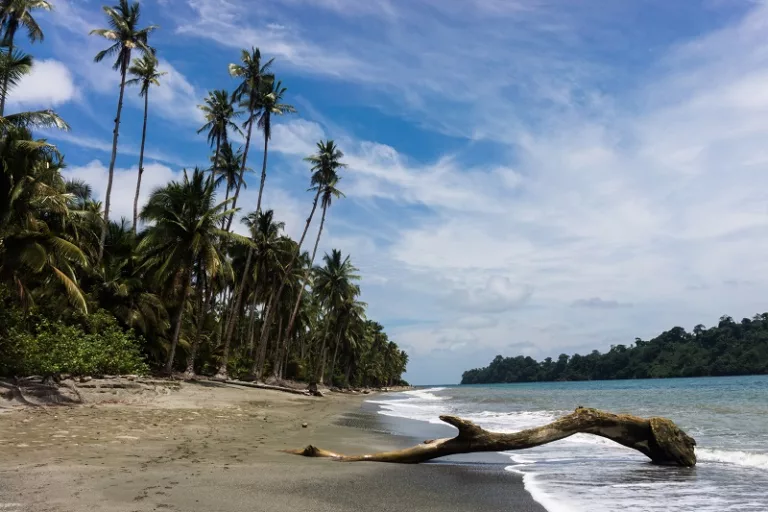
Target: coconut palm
<point>145,73</point>
<point>184,230</point>
<point>15,14</point>
<point>325,166</point>
<point>219,111</point>
<point>34,209</point>
<point>334,286</point>
<point>226,169</point>
<point>126,36</point>
<point>252,73</point>
<point>270,101</point>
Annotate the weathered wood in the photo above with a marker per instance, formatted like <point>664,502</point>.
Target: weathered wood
<point>657,438</point>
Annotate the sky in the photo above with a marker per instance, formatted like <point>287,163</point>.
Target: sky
<point>524,177</point>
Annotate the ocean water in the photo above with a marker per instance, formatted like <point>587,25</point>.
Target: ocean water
<point>728,417</point>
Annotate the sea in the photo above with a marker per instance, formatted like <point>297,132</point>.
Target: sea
<point>728,417</point>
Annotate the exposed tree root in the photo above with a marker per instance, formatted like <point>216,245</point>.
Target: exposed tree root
<point>657,438</point>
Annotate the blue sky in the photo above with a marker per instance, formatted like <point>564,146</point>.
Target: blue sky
<point>525,177</point>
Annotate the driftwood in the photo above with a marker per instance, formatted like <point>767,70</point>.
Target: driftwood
<point>657,438</point>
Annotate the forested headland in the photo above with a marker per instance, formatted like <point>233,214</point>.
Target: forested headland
<point>730,348</point>
<point>174,288</point>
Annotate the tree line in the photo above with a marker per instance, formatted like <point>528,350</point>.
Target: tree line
<point>174,288</point>
<point>730,348</point>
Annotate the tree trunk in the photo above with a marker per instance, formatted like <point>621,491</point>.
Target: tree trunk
<point>263,173</point>
<point>222,373</point>
<point>252,325</point>
<point>141,164</point>
<point>258,364</point>
<point>179,317</point>
<point>348,372</point>
<point>201,311</point>
<point>10,35</point>
<point>243,167</point>
<point>277,365</point>
<point>657,438</point>
<point>335,353</point>
<point>115,133</point>
<point>323,353</point>
<point>295,311</point>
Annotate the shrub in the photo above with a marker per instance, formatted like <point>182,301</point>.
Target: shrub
<point>52,347</point>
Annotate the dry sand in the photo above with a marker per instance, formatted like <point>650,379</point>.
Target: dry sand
<point>215,447</point>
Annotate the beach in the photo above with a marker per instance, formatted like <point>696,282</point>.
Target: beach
<point>212,446</point>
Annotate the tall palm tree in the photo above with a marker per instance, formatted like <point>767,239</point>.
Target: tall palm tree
<point>252,73</point>
<point>325,166</point>
<point>226,168</point>
<point>334,284</point>
<point>146,75</point>
<point>13,15</point>
<point>219,111</point>
<point>184,230</point>
<point>126,36</point>
<point>270,100</point>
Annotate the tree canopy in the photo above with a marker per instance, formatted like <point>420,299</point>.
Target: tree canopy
<point>729,348</point>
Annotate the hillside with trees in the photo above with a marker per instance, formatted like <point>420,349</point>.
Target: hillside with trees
<point>730,348</point>
<point>174,288</point>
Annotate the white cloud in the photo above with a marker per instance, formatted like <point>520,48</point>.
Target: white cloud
<point>96,174</point>
<point>48,85</point>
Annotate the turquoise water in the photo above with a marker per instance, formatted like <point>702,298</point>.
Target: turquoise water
<point>728,416</point>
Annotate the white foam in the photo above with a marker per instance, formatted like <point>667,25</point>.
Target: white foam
<point>537,492</point>
<point>739,458</point>
<point>427,394</point>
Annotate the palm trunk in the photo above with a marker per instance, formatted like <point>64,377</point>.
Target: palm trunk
<point>295,311</point>
<point>258,364</point>
<point>335,353</point>
<point>115,133</point>
<point>278,357</point>
<point>222,373</point>
<point>348,372</point>
<point>11,33</point>
<point>263,171</point>
<point>242,168</point>
<point>179,317</point>
<point>252,325</point>
<point>141,163</point>
<point>201,311</point>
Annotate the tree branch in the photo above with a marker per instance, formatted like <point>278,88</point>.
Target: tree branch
<point>657,438</point>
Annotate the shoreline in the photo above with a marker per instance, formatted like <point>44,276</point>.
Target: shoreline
<point>216,447</point>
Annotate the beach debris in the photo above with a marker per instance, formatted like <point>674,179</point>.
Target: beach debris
<point>304,425</point>
<point>657,438</point>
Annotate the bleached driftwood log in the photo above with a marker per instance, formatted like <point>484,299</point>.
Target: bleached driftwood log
<point>657,438</point>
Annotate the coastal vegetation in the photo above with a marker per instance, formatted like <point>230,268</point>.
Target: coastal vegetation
<point>729,348</point>
<point>175,288</point>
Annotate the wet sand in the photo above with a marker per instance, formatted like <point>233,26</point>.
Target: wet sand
<point>215,447</point>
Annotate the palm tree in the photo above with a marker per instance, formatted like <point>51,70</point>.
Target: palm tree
<point>325,166</point>
<point>334,285</point>
<point>219,111</point>
<point>13,15</point>
<point>126,36</point>
<point>34,210</point>
<point>226,169</point>
<point>146,74</point>
<point>252,72</point>
<point>270,98</point>
<point>184,230</point>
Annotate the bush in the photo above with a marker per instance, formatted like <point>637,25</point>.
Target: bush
<point>51,347</point>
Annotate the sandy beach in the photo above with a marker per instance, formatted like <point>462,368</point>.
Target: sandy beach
<point>216,447</point>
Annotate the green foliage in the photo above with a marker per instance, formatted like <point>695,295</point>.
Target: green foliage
<point>730,348</point>
<point>39,346</point>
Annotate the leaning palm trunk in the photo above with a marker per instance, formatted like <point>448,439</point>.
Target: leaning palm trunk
<point>222,373</point>
<point>6,77</point>
<point>335,353</point>
<point>295,311</point>
<point>141,164</point>
<point>258,365</point>
<point>179,317</point>
<point>252,325</point>
<point>243,167</point>
<point>115,133</point>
